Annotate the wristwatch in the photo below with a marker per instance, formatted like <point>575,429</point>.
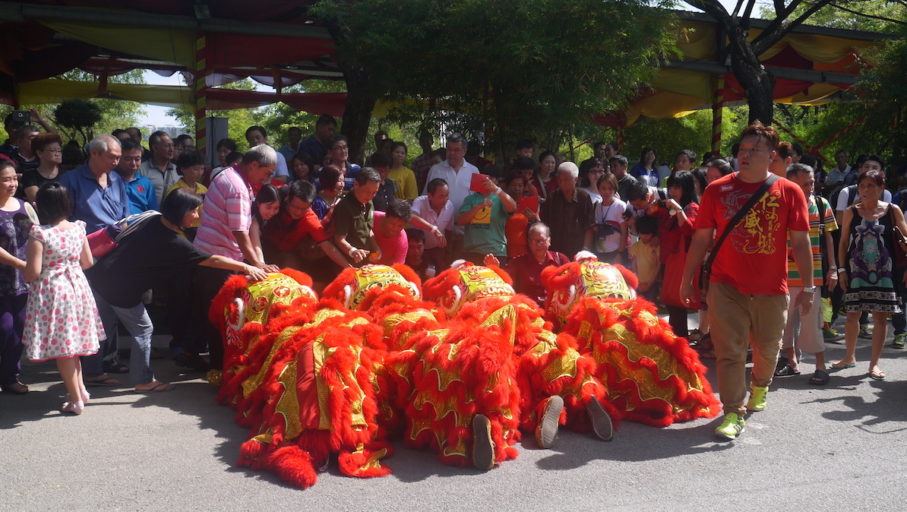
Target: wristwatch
<point>842,269</point>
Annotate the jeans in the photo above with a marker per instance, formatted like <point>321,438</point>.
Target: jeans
<point>138,324</point>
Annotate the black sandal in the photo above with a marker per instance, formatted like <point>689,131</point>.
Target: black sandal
<point>819,378</point>
<point>787,371</point>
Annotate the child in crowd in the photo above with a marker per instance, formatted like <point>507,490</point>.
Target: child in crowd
<point>61,318</point>
<point>331,182</point>
<point>644,257</point>
<point>267,205</point>
<point>437,209</point>
<point>517,227</point>
<point>415,254</point>
<point>191,164</point>
<point>608,217</point>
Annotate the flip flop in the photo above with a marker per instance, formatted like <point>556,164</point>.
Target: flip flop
<point>106,380</point>
<point>879,375</point>
<point>819,378</point>
<point>157,388</point>
<point>838,366</point>
<point>786,371</point>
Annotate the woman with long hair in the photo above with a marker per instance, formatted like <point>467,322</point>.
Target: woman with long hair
<point>675,234</point>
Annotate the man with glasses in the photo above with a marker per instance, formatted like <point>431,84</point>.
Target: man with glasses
<point>747,307</point>
<point>526,270</point>
<point>160,168</point>
<point>139,189</point>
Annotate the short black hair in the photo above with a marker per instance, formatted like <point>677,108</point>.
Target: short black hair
<point>365,175</point>
<point>255,127</point>
<point>294,129</point>
<point>399,209</point>
<point>53,203</point>
<point>435,184</point>
<point>685,181</point>
<point>226,143</point>
<point>233,157</point>
<point>637,191</point>
<point>324,119</point>
<point>301,189</point>
<point>523,162</point>
<point>647,225</point>
<point>182,138</point>
<point>177,204</point>
<point>189,158</point>
<point>415,235</point>
<point>525,144</point>
<point>155,137</point>
<point>130,145</point>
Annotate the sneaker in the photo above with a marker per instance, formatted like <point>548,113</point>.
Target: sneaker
<point>830,334</point>
<point>757,398</point>
<point>482,445</point>
<point>546,430</point>
<point>899,340</point>
<point>602,425</point>
<point>731,427</point>
<point>865,332</point>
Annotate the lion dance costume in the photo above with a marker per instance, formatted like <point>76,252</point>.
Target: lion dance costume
<point>652,376</point>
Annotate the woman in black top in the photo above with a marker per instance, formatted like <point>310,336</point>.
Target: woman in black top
<point>153,254</point>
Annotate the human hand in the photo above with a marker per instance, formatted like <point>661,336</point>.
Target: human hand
<point>357,255</point>
<point>831,279</point>
<point>255,274</point>
<point>491,260</point>
<point>805,301</point>
<point>686,292</point>
<point>485,204</point>
<point>442,240</point>
<point>842,280</point>
<point>271,268</point>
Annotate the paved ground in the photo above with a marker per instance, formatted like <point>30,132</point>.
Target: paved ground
<point>841,447</point>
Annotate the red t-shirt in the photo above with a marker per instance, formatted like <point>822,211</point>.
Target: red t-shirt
<point>286,233</point>
<point>753,258</point>
<point>393,250</point>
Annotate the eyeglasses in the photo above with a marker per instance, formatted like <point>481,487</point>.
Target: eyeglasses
<point>54,151</point>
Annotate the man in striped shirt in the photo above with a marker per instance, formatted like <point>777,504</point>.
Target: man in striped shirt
<point>803,332</point>
<point>224,230</point>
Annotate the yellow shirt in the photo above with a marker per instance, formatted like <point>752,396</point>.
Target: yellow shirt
<point>405,179</point>
<point>199,190</point>
<point>646,258</point>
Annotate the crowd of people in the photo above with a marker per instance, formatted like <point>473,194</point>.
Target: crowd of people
<point>176,229</point>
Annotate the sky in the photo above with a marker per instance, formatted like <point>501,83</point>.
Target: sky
<point>157,116</point>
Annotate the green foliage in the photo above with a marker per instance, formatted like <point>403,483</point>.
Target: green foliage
<point>78,117</point>
<point>511,68</point>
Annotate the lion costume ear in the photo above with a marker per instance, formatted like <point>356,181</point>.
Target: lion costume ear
<point>409,274</point>
<point>559,278</point>
<point>298,276</point>
<point>502,274</point>
<point>629,276</point>
<point>334,290</point>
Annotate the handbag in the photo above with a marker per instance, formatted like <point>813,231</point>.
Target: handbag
<point>706,273</point>
<point>103,241</point>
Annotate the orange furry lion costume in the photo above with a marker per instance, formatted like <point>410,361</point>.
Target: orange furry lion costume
<point>653,376</point>
<point>301,377</point>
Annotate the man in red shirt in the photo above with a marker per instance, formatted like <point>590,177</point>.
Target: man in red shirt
<point>747,296</point>
<point>526,270</point>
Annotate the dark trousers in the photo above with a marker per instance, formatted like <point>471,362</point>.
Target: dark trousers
<point>93,365</point>
<point>206,283</point>
<point>12,322</point>
<point>677,317</point>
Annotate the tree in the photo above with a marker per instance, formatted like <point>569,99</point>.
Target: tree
<point>78,118</point>
<point>757,81</point>
<point>510,68</point>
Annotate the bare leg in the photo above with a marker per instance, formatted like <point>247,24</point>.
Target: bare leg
<point>851,330</point>
<point>81,380</point>
<point>879,330</point>
<point>820,360</point>
<point>67,368</point>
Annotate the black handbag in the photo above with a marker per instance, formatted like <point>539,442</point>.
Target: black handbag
<point>706,273</point>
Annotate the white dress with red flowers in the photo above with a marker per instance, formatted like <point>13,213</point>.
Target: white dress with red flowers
<point>61,319</point>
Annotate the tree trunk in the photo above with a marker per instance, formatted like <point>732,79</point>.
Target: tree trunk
<point>358,112</point>
<point>758,83</point>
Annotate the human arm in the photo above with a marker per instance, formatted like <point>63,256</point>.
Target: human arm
<point>831,277</point>
<point>423,224</point>
<point>8,259</point>
<point>803,257</point>
<point>31,193</point>
<point>36,117</point>
<point>34,253</point>
<point>409,186</point>
<point>702,238</point>
<point>250,253</point>
<point>902,227</point>
<point>357,255</point>
<point>255,237</point>
<point>224,263</point>
<point>332,252</point>
<point>843,278</point>
<point>468,213</point>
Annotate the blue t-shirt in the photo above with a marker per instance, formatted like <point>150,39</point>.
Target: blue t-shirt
<point>97,207</point>
<point>141,194</point>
